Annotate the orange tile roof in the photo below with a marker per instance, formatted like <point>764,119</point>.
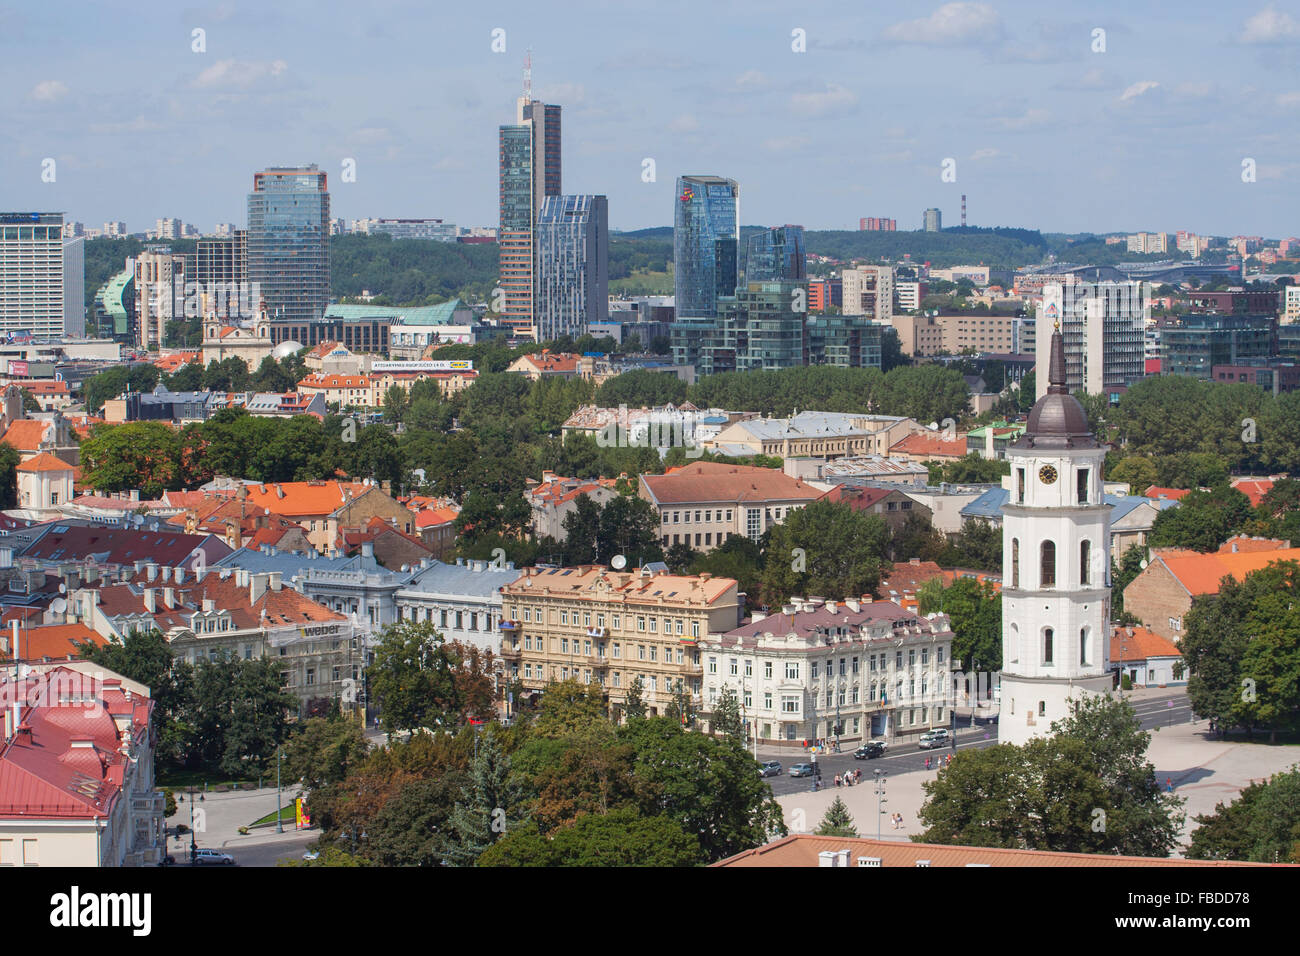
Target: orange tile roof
<point>1201,574</point>
<point>54,641</point>
<point>548,362</point>
<point>323,349</point>
<point>922,445</point>
<point>1254,488</point>
<point>46,387</point>
<point>334,380</point>
<point>1243,543</point>
<point>301,498</point>
<point>26,434</point>
<point>1140,644</point>
<point>433,517</point>
<point>45,462</point>
<point>705,481</point>
<point>803,849</point>
<point>628,587</point>
<point>1170,494</point>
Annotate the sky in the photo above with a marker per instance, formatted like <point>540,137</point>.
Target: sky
<point>824,112</point>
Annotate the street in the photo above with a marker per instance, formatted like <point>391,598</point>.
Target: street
<point>1155,708</point>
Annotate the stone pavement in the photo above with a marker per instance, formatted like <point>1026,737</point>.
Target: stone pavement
<point>225,813</point>
<point>1204,771</point>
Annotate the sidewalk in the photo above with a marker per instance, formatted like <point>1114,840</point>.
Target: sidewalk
<point>1204,772</point>
<point>225,813</point>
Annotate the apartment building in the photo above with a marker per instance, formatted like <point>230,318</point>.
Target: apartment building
<point>813,434</point>
<point>463,600</point>
<point>555,498</point>
<point>845,669</point>
<point>704,503</point>
<point>610,628</point>
<point>918,335</point>
<point>869,291</point>
<point>977,332</point>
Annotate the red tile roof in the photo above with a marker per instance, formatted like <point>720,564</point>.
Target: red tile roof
<point>53,641</point>
<point>921,445</point>
<point>304,498</point>
<point>1129,644</point>
<point>859,499</point>
<point>1201,573</point>
<point>39,387</point>
<point>1242,543</point>
<point>26,434</point>
<point>710,481</point>
<point>1170,494</point>
<point>45,462</point>
<point>1254,488</point>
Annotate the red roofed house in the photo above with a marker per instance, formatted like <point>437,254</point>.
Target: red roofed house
<point>1148,659</point>
<point>1162,594</point>
<point>1166,494</point>
<point>207,613</point>
<point>50,394</point>
<point>45,484</point>
<point>31,436</point>
<point>388,546</point>
<point>242,525</point>
<point>323,507</point>
<point>173,362</point>
<point>930,446</point>
<point>76,771</point>
<point>345,391</point>
<point>890,504</point>
<point>1253,488</point>
<point>51,642</point>
<point>906,578</point>
<point>554,498</point>
<point>705,502</point>
<point>546,364</point>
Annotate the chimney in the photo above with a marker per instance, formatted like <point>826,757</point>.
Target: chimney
<point>169,598</point>
<point>151,572</point>
<point>209,605</point>
<point>180,575</point>
<point>988,441</point>
<point>367,549</point>
<point>150,604</point>
<point>166,573</point>
<point>256,587</point>
<point>275,580</point>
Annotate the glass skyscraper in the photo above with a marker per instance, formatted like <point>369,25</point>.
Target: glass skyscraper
<point>36,280</point>
<point>706,230</point>
<point>572,277</point>
<point>776,255</point>
<point>288,241</point>
<point>528,160</point>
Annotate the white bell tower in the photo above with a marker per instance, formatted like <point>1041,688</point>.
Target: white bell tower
<point>1055,565</point>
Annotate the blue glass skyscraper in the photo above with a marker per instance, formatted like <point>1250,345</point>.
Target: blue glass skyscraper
<point>776,255</point>
<point>706,230</point>
<point>572,281</point>
<point>288,241</point>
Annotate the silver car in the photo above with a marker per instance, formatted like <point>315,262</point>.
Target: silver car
<point>770,768</point>
<point>206,857</point>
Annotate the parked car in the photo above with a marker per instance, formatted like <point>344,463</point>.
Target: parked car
<point>770,768</point>
<point>801,770</point>
<point>311,855</point>
<point>205,857</point>
<point>933,738</point>
<point>868,750</point>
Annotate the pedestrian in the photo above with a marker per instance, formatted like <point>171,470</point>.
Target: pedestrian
<point>953,742</point>
<point>1169,784</point>
<point>837,780</point>
<point>927,763</point>
<point>857,775</point>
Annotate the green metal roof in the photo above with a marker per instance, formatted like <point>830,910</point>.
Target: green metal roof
<point>408,315</point>
<point>110,294</point>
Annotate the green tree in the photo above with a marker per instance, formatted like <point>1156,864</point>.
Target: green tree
<point>708,785</point>
<point>1262,825</point>
<point>1140,820</point>
<point>629,527</point>
<point>258,721</point>
<point>411,678</point>
<point>1202,521</point>
<point>413,828</point>
<point>837,821</point>
<point>726,719</point>
<point>9,462</point>
<point>141,455</point>
<point>324,750</point>
<point>633,704</point>
<point>271,376</point>
<point>567,707</point>
<point>738,558</point>
<point>974,610</point>
<point>1138,471</point>
<point>619,838</point>
<point>494,804</point>
<point>824,548</point>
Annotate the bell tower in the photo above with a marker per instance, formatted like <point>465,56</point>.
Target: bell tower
<point>1055,565</point>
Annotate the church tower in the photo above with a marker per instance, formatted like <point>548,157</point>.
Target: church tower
<point>1055,565</point>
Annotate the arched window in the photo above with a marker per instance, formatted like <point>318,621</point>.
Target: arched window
<point>1085,559</point>
<point>1083,645</point>
<point>1048,639</point>
<point>1015,562</point>
<point>1015,644</point>
<point>1047,565</point>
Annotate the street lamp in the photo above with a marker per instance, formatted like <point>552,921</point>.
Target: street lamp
<point>880,799</point>
<point>279,816</point>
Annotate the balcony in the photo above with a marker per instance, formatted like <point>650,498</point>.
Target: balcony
<point>510,653</point>
<point>152,802</point>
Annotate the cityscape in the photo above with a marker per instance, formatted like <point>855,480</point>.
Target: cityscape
<point>692,500</point>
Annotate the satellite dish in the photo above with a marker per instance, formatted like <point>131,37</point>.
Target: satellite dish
<point>1144,562</point>
<point>63,588</point>
<point>58,605</point>
<point>618,562</point>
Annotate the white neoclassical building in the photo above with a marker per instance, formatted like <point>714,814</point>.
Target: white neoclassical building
<point>1056,565</point>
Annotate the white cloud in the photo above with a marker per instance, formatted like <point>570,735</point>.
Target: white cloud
<point>1137,89</point>
<point>751,80</point>
<point>1288,100</point>
<point>239,74</point>
<point>833,98</point>
<point>1270,26</point>
<point>953,24</point>
<point>1030,118</point>
<point>48,91</point>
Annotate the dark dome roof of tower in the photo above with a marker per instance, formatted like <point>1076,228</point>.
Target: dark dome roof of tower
<point>1057,420</point>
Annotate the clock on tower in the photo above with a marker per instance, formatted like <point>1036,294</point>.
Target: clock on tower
<point>1055,583</point>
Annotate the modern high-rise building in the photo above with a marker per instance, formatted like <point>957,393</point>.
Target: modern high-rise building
<point>875,224</point>
<point>288,240</point>
<point>572,273</point>
<point>41,276</point>
<point>220,267</point>
<point>529,161</point>
<point>1195,343</point>
<point>1104,330</point>
<point>159,275</point>
<point>869,291</point>
<point>706,230</point>
<point>776,255</point>
<point>933,220</point>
